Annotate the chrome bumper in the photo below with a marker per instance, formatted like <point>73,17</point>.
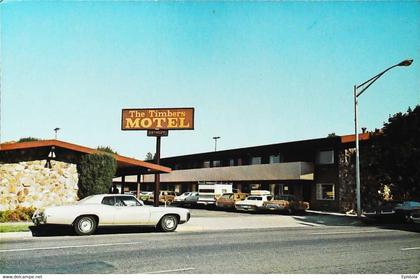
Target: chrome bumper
<point>39,218</point>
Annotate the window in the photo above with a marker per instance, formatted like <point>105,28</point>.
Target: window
<point>216,163</point>
<point>108,201</point>
<point>126,201</point>
<point>255,160</point>
<point>324,157</point>
<point>255,186</point>
<point>231,162</point>
<point>325,192</point>
<point>274,159</point>
<point>206,164</point>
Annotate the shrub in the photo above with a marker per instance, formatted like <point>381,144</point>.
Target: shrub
<point>17,214</point>
<point>95,173</point>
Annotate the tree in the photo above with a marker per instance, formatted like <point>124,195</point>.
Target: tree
<point>95,173</point>
<point>28,139</point>
<point>392,158</point>
<point>106,149</point>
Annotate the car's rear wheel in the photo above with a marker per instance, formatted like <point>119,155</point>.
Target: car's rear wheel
<point>85,225</point>
<point>168,223</point>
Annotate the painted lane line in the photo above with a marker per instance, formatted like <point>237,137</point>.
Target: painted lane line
<point>68,247</point>
<point>171,270</point>
<point>412,248</point>
<point>352,232</point>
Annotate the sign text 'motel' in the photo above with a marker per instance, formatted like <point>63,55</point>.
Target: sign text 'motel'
<point>158,119</point>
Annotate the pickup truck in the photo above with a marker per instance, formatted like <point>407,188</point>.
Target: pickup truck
<point>253,203</point>
<point>286,203</point>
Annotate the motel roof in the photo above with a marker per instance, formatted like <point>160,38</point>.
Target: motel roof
<point>346,140</point>
<point>69,152</point>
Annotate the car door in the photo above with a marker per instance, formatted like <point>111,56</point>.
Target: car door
<point>106,216</point>
<point>129,211</point>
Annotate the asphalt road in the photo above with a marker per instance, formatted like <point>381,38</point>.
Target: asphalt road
<point>330,249</point>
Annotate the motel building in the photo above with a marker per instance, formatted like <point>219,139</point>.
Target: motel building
<point>318,171</point>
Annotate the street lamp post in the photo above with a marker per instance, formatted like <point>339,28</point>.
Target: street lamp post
<point>56,132</point>
<point>215,142</point>
<point>357,91</point>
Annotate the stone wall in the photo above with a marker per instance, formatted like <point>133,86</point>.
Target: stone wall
<point>29,184</point>
<point>346,178</point>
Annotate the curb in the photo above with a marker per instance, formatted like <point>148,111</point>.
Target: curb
<point>15,235</point>
<point>333,214</point>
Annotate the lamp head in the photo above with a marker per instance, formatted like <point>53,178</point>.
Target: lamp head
<point>406,62</point>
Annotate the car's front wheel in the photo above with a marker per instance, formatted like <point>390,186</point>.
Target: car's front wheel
<point>85,225</point>
<point>168,223</point>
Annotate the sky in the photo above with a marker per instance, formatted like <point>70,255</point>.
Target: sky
<point>256,72</point>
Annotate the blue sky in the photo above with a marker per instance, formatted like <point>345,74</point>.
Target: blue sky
<point>256,72</point>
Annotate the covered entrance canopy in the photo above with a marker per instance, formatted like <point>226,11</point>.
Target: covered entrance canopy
<point>71,153</point>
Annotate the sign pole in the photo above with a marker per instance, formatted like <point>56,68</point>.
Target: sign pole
<point>157,175</point>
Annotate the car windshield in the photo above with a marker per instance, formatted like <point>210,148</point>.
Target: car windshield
<point>206,191</point>
<point>227,196</point>
<point>411,204</point>
<point>253,198</point>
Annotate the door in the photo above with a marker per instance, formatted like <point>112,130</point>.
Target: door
<point>129,211</point>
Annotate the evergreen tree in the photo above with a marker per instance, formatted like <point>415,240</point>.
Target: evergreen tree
<point>96,172</point>
<point>392,158</point>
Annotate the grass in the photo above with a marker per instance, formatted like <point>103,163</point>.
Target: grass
<point>14,227</point>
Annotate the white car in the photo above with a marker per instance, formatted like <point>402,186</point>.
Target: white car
<point>253,203</point>
<point>111,210</point>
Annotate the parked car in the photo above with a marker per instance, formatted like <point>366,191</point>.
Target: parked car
<point>186,199</point>
<point>253,203</point>
<point>415,215</point>
<point>209,193</point>
<point>393,211</point>
<point>286,203</point>
<point>111,210</point>
<point>165,197</point>
<point>145,196</point>
<point>228,200</point>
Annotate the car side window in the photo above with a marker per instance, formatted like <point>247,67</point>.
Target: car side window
<point>108,201</point>
<point>127,201</point>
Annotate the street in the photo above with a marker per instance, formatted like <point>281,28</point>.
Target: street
<point>308,249</point>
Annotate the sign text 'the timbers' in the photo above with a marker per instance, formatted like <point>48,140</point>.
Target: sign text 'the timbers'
<point>158,119</point>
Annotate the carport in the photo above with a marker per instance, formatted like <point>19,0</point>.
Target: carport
<point>56,150</point>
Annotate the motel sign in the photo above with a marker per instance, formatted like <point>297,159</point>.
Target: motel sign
<point>158,119</point>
